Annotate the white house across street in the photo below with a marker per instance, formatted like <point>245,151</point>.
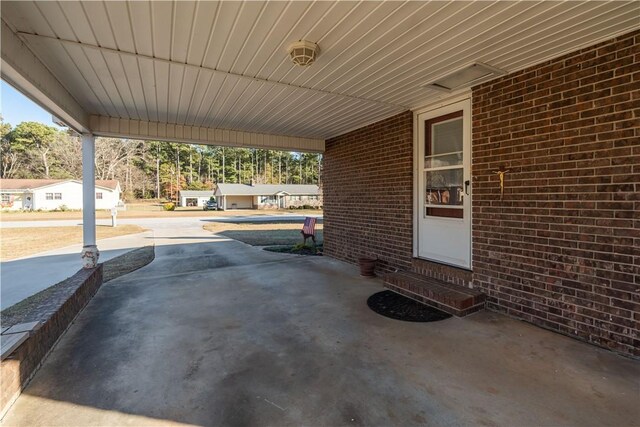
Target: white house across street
<point>195,197</point>
<point>51,194</point>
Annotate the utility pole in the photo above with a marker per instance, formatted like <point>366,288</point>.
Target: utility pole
<point>178,174</point>
<point>144,164</point>
<point>158,171</point>
<point>190,165</point>
<point>199,175</point>
<point>253,156</point>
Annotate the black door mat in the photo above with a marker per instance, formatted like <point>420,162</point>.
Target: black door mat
<point>396,306</point>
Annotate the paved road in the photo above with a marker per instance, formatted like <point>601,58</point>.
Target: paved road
<point>157,222</point>
<point>24,277</point>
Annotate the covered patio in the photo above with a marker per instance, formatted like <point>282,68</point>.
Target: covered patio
<point>490,146</point>
<point>214,332</point>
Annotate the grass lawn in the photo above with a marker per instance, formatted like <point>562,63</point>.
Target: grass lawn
<point>147,211</point>
<point>20,242</point>
<point>264,234</point>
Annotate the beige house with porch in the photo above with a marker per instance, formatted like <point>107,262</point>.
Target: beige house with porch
<point>267,196</point>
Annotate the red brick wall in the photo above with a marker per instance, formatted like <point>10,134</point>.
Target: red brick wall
<point>562,250</point>
<point>66,302</point>
<point>368,186</point>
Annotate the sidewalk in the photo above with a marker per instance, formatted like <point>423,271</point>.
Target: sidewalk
<point>23,277</point>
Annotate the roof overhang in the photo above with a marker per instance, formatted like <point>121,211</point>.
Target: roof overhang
<point>219,72</point>
<point>16,190</point>
<point>24,71</point>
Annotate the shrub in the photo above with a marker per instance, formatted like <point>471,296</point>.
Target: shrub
<point>128,196</point>
<point>300,246</point>
<point>169,206</point>
<point>307,207</point>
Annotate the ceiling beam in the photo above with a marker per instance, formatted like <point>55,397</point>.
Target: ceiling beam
<point>26,36</point>
<point>24,71</point>
<point>156,131</point>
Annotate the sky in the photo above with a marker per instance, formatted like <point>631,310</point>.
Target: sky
<point>16,108</point>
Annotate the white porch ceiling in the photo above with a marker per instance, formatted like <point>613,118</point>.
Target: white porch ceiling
<point>225,65</point>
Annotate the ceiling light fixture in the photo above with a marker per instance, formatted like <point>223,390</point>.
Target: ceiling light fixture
<point>303,53</point>
<point>468,76</point>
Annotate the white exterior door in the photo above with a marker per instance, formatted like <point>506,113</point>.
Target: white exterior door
<point>27,201</point>
<point>444,184</point>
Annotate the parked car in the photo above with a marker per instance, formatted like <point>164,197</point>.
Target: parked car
<point>211,205</point>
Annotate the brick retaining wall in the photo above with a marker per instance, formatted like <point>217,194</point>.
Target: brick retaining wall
<point>17,369</point>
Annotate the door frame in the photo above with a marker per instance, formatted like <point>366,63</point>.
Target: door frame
<point>417,209</point>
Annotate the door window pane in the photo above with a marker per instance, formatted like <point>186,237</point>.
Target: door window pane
<point>444,187</point>
<point>454,159</point>
<point>444,137</point>
<point>443,166</point>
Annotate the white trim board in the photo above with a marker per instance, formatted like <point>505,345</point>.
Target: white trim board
<point>140,129</point>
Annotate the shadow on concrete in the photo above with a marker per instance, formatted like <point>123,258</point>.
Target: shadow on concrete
<point>284,220</point>
<point>220,333</point>
<point>146,344</point>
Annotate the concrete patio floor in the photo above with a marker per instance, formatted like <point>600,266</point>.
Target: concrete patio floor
<point>215,332</point>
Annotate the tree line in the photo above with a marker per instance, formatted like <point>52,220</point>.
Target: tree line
<point>148,169</point>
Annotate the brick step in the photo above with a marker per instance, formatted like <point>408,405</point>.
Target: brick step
<point>452,299</point>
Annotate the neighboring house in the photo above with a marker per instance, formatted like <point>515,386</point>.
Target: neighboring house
<point>50,194</point>
<point>195,198</point>
<point>267,196</point>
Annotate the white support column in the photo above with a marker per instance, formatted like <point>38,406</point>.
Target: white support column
<point>90,251</point>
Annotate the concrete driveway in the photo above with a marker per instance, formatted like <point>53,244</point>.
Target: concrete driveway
<point>24,277</point>
<point>214,332</point>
